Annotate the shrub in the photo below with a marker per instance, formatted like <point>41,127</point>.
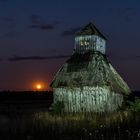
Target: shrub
<point>57,107</point>
<point>134,106</point>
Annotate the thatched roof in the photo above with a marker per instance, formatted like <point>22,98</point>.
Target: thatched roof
<point>90,29</point>
<point>89,69</point>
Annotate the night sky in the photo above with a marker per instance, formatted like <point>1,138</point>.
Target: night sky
<point>35,35</point>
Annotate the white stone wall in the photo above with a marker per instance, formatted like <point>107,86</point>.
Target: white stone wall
<point>88,99</point>
<point>90,42</point>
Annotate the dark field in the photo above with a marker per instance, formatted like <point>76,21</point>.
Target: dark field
<point>25,116</point>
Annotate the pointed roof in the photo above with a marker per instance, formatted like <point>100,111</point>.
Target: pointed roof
<point>90,29</point>
<point>90,69</point>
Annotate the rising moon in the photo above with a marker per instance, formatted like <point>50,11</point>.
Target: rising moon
<point>39,86</point>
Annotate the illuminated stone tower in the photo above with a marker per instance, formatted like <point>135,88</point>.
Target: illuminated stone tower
<point>87,82</point>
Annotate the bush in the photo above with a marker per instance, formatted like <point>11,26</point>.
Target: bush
<point>57,107</point>
<point>134,106</point>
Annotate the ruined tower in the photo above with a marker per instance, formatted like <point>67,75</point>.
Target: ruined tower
<point>87,82</point>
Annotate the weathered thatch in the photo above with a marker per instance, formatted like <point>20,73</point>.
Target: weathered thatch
<point>91,69</point>
<point>90,29</point>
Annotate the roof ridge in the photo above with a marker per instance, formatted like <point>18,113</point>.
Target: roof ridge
<point>90,29</point>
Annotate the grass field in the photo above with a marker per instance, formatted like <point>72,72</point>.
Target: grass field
<point>43,125</point>
<point>28,118</point>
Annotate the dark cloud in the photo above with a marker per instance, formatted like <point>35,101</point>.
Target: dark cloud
<point>7,19</point>
<point>47,27</point>
<point>35,19</point>
<point>42,27</point>
<point>136,57</point>
<point>128,10</point>
<point>127,14</point>
<point>70,32</point>
<point>37,22</point>
<point>19,58</point>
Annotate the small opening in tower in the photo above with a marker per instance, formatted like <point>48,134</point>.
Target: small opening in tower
<point>81,43</point>
<point>84,43</point>
<point>87,42</point>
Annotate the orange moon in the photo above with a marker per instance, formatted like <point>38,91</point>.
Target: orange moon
<point>39,86</point>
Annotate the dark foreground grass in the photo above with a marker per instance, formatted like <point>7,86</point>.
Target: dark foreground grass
<point>46,126</point>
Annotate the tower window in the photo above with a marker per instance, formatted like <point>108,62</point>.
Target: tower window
<point>81,43</point>
<point>87,42</point>
<point>84,43</point>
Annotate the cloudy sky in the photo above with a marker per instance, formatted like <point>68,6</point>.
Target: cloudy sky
<point>37,36</point>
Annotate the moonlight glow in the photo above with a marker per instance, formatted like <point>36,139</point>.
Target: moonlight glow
<point>39,86</point>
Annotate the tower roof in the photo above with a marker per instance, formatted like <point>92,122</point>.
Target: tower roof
<point>90,29</point>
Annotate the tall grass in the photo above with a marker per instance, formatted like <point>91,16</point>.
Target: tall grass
<point>93,126</point>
